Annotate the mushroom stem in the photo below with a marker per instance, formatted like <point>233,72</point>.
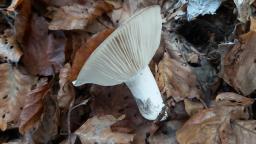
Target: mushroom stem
<point>146,93</point>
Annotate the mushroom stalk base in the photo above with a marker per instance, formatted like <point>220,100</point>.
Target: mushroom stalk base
<point>146,93</point>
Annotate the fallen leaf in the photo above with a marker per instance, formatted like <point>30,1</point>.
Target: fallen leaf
<point>245,131</point>
<point>212,125</point>
<point>166,134</point>
<point>14,85</point>
<point>172,78</point>
<point>97,130</point>
<point>21,23</point>
<point>48,126</point>
<point>192,107</point>
<point>238,64</point>
<point>78,16</point>
<point>43,51</point>
<point>33,108</point>
<point>9,49</point>
<point>244,10</point>
<point>66,92</point>
<point>116,101</point>
<point>83,53</point>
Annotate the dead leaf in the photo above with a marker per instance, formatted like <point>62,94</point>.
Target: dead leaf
<point>212,125</point>
<point>66,92</point>
<point>116,101</point>
<point>83,53</point>
<point>78,16</point>
<point>14,85</point>
<point>43,51</point>
<point>244,10</point>
<point>48,126</point>
<point>239,67</point>
<point>97,130</point>
<point>232,99</point>
<point>245,131</point>
<point>172,77</point>
<point>22,18</point>
<point>33,108</point>
<point>166,134</point>
<point>9,49</point>
<point>192,107</point>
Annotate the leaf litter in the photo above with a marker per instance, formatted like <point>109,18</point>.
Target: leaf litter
<point>204,67</point>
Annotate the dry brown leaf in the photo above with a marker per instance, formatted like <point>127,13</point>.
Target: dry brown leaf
<point>117,101</point>
<point>14,85</point>
<point>22,19</point>
<point>14,5</point>
<point>9,49</point>
<point>48,126</point>
<point>66,92</point>
<point>232,99</point>
<point>245,131</point>
<point>212,125</point>
<point>33,108</point>
<point>43,51</point>
<point>239,65</point>
<point>192,107</point>
<point>83,53</point>
<point>176,80</point>
<point>97,130</point>
<point>78,16</point>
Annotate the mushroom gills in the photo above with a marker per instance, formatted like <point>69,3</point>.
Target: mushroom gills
<point>146,93</point>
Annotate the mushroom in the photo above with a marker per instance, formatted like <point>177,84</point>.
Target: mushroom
<point>123,57</point>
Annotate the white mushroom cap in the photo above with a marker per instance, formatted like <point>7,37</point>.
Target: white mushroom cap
<point>126,51</point>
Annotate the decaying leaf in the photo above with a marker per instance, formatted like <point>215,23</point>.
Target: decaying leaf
<point>116,101</point>
<point>43,50</point>
<point>192,107</point>
<point>245,131</point>
<point>213,125</point>
<point>83,53</point>
<point>9,49</point>
<point>48,126</point>
<point>33,108</point>
<point>239,64</point>
<point>66,92</point>
<point>14,85</point>
<point>78,16</point>
<point>172,77</point>
<point>244,10</point>
<point>97,130</point>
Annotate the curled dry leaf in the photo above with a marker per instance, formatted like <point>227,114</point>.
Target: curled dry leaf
<point>212,125</point>
<point>83,53</point>
<point>9,49</point>
<point>239,64</point>
<point>33,108</point>
<point>66,92</point>
<point>78,16</point>
<point>43,51</point>
<point>97,130</point>
<point>14,85</point>
<point>192,107</point>
<point>172,77</point>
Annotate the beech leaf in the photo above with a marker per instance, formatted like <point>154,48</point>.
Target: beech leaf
<point>14,86</point>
